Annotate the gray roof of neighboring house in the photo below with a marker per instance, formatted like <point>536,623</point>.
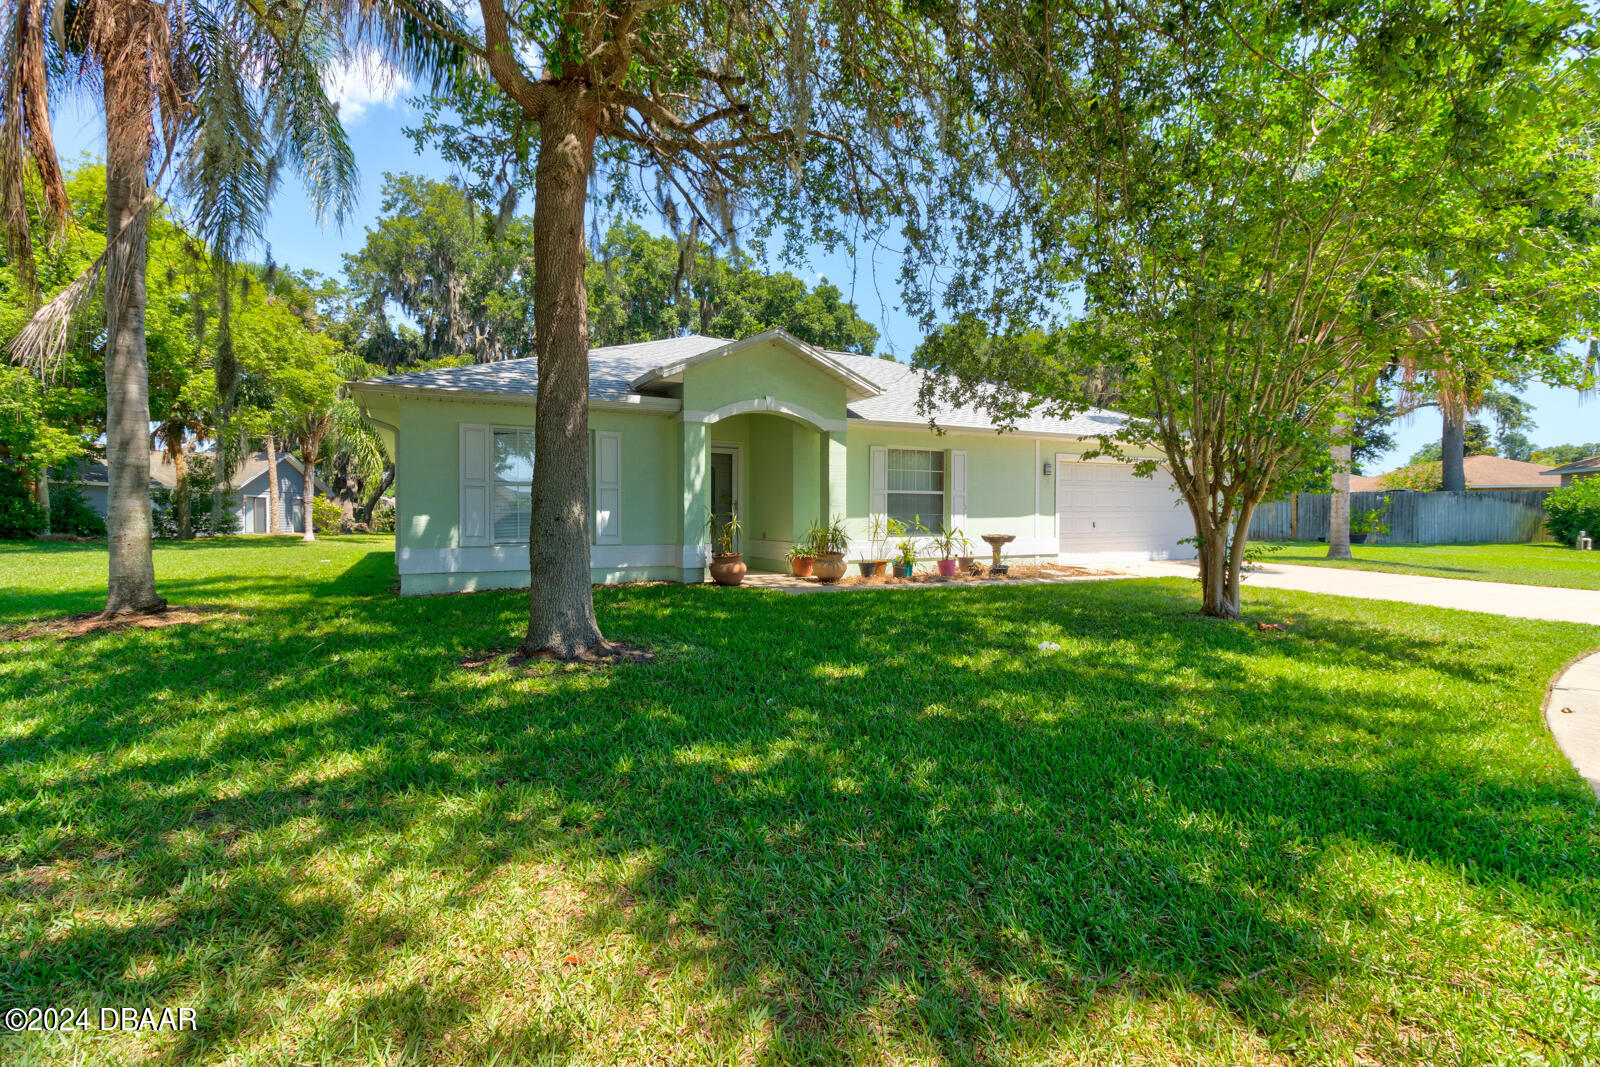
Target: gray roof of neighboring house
<point>164,474</point>
<point>1577,466</point>
<point>612,370</point>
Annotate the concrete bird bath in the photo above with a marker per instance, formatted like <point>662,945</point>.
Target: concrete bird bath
<point>997,542</point>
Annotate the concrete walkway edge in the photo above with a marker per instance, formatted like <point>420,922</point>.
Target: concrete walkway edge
<point>1572,711</point>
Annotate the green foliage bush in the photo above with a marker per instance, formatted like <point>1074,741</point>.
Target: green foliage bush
<point>1422,477</point>
<point>70,513</point>
<point>21,516</point>
<point>1574,508</point>
<point>383,518</point>
<point>208,517</point>
<point>326,516</point>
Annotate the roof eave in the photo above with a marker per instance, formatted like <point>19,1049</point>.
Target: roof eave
<point>629,402</point>
<point>861,388</point>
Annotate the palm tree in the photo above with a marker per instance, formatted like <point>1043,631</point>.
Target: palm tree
<point>231,90</point>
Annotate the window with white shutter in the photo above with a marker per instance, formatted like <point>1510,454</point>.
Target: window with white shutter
<point>607,487</point>
<point>474,531</point>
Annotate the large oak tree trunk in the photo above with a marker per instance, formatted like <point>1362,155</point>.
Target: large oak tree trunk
<point>131,586</point>
<point>1453,443</point>
<point>561,620</point>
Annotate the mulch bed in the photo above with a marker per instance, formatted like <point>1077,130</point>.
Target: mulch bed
<point>1016,572</point>
<point>94,622</point>
<point>620,652</point>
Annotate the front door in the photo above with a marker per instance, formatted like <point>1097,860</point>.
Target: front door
<point>724,485</point>
<point>258,515</point>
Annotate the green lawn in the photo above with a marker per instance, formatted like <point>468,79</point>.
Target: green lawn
<point>1545,564</point>
<point>866,827</point>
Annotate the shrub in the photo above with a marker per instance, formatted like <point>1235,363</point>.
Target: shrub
<point>21,516</point>
<point>383,518</point>
<point>1574,508</point>
<point>205,518</point>
<point>1422,477</point>
<point>326,516</point>
<point>70,513</point>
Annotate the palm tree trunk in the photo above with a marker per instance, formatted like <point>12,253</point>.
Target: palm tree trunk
<point>180,478</point>
<point>308,493</point>
<point>131,584</point>
<point>41,495</point>
<point>272,483</point>
<point>561,620</point>
<point>1453,445</point>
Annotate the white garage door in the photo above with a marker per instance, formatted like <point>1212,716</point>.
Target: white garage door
<point>1104,512</point>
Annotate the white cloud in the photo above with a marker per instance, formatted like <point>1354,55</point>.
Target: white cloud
<point>364,80</point>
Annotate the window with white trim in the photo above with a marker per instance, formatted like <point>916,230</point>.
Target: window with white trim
<point>915,487</point>
<point>512,509</point>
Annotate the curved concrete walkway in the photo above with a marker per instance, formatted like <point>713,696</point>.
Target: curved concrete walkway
<point>1572,711</point>
<point>1496,598</point>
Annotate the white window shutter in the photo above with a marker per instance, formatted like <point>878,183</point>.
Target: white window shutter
<point>878,499</point>
<point>607,487</point>
<point>475,460</point>
<point>958,490</point>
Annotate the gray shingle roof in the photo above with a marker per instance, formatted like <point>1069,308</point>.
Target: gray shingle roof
<point>613,368</point>
<point>1577,466</point>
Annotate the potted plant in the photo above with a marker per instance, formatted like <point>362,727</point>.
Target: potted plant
<point>727,566</point>
<point>1368,526</point>
<point>948,542</point>
<point>880,530</point>
<point>828,545</point>
<point>905,561</point>
<point>803,554</point>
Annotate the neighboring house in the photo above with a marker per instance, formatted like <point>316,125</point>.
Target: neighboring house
<point>249,487</point>
<point>1577,470</point>
<point>1483,472</point>
<point>770,427</point>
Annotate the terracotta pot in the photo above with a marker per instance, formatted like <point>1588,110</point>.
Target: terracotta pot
<point>729,569</point>
<point>830,566</point>
<point>947,568</point>
<point>903,570</point>
<point>801,566</point>
<point>965,562</point>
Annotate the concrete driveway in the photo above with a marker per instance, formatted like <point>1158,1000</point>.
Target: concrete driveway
<point>1496,598</point>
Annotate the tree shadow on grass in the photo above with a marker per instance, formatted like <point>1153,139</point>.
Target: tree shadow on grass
<point>872,820</point>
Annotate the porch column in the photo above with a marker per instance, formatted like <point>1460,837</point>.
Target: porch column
<point>833,476</point>
<point>696,467</point>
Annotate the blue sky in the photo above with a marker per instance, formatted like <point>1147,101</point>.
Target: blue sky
<point>376,112</point>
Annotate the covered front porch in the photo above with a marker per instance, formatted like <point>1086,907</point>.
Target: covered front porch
<point>762,437</point>
<point>777,470</point>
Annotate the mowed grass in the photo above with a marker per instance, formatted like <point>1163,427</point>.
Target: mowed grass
<point>865,827</point>
<point>1540,564</point>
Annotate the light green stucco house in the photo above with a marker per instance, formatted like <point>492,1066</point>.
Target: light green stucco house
<point>770,427</point>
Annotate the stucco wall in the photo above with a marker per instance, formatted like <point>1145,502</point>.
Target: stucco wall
<point>1007,491</point>
<point>428,509</point>
<point>761,371</point>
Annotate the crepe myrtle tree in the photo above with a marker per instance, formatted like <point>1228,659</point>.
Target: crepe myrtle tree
<point>802,121</point>
<point>1230,195</point>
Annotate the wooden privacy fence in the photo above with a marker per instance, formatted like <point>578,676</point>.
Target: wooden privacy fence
<point>1494,516</point>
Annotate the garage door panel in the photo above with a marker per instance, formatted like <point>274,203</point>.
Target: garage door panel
<point>1105,510</point>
